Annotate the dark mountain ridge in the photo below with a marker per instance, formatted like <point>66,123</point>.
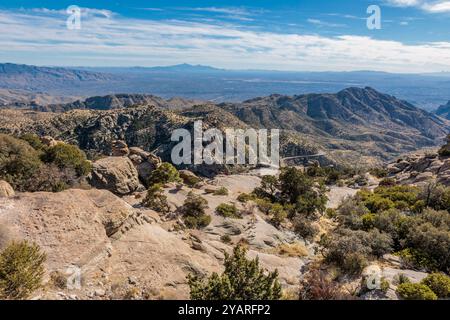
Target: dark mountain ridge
<point>119,101</point>
<point>444,111</point>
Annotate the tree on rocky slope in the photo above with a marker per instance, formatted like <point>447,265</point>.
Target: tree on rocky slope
<point>21,270</point>
<point>242,279</point>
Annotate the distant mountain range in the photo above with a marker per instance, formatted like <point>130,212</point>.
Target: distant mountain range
<point>32,78</point>
<point>198,82</point>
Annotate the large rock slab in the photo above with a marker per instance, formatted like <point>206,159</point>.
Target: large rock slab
<point>116,174</point>
<point>72,226</point>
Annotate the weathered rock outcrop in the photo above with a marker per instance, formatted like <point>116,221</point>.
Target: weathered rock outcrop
<point>421,168</point>
<point>71,226</point>
<point>5,189</point>
<point>119,148</point>
<point>145,162</point>
<point>116,174</point>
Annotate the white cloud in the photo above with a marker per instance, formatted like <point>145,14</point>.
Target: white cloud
<point>404,3</point>
<point>433,6</point>
<point>437,7</point>
<point>114,40</point>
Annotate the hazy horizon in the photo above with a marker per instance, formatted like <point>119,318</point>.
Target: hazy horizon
<point>306,36</point>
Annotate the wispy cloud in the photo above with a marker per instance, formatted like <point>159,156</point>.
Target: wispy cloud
<point>346,16</point>
<point>228,10</point>
<point>321,23</point>
<point>111,39</point>
<point>230,13</point>
<point>433,6</point>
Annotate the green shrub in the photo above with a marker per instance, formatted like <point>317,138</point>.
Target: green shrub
<point>354,263</point>
<point>245,197</point>
<point>350,213</point>
<point>379,172</point>
<point>436,196</point>
<point>384,285</point>
<point>333,176</point>
<point>190,180</point>
<point>298,189</point>
<point>33,140</point>
<point>199,222</point>
<point>21,270</point>
<point>445,149</point>
<point>377,203</point>
<point>51,178</point>
<point>264,205</point>
<point>444,152</point>
<point>222,191</point>
<point>156,199</point>
<point>430,246</point>
<point>311,202</point>
<point>368,221</point>
<point>415,291</point>
<point>387,182</point>
<point>67,156</point>
<point>330,213</point>
<point>278,213</point>
<point>293,184</point>
<point>380,242</point>
<point>402,278</point>
<point>439,283</point>
<point>304,228</point>
<point>165,173</point>
<point>242,280</point>
<point>193,211</point>
<point>269,187</point>
<point>387,197</point>
<point>348,249</point>
<point>228,211</point>
<point>225,238</point>
<point>18,161</point>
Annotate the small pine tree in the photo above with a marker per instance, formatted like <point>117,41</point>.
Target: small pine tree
<point>156,199</point>
<point>68,156</point>
<point>228,211</point>
<point>165,173</point>
<point>242,280</point>
<point>193,211</point>
<point>21,270</point>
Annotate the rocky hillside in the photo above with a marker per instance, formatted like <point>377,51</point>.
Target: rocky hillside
<point>119,101</point>
<point>444,111</point>
<point>375,121</point>
<point>354,125</point>
<point>147,127</point>
<point>429,166</point>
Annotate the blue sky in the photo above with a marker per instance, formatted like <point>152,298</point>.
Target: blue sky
<point>283,35</point>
